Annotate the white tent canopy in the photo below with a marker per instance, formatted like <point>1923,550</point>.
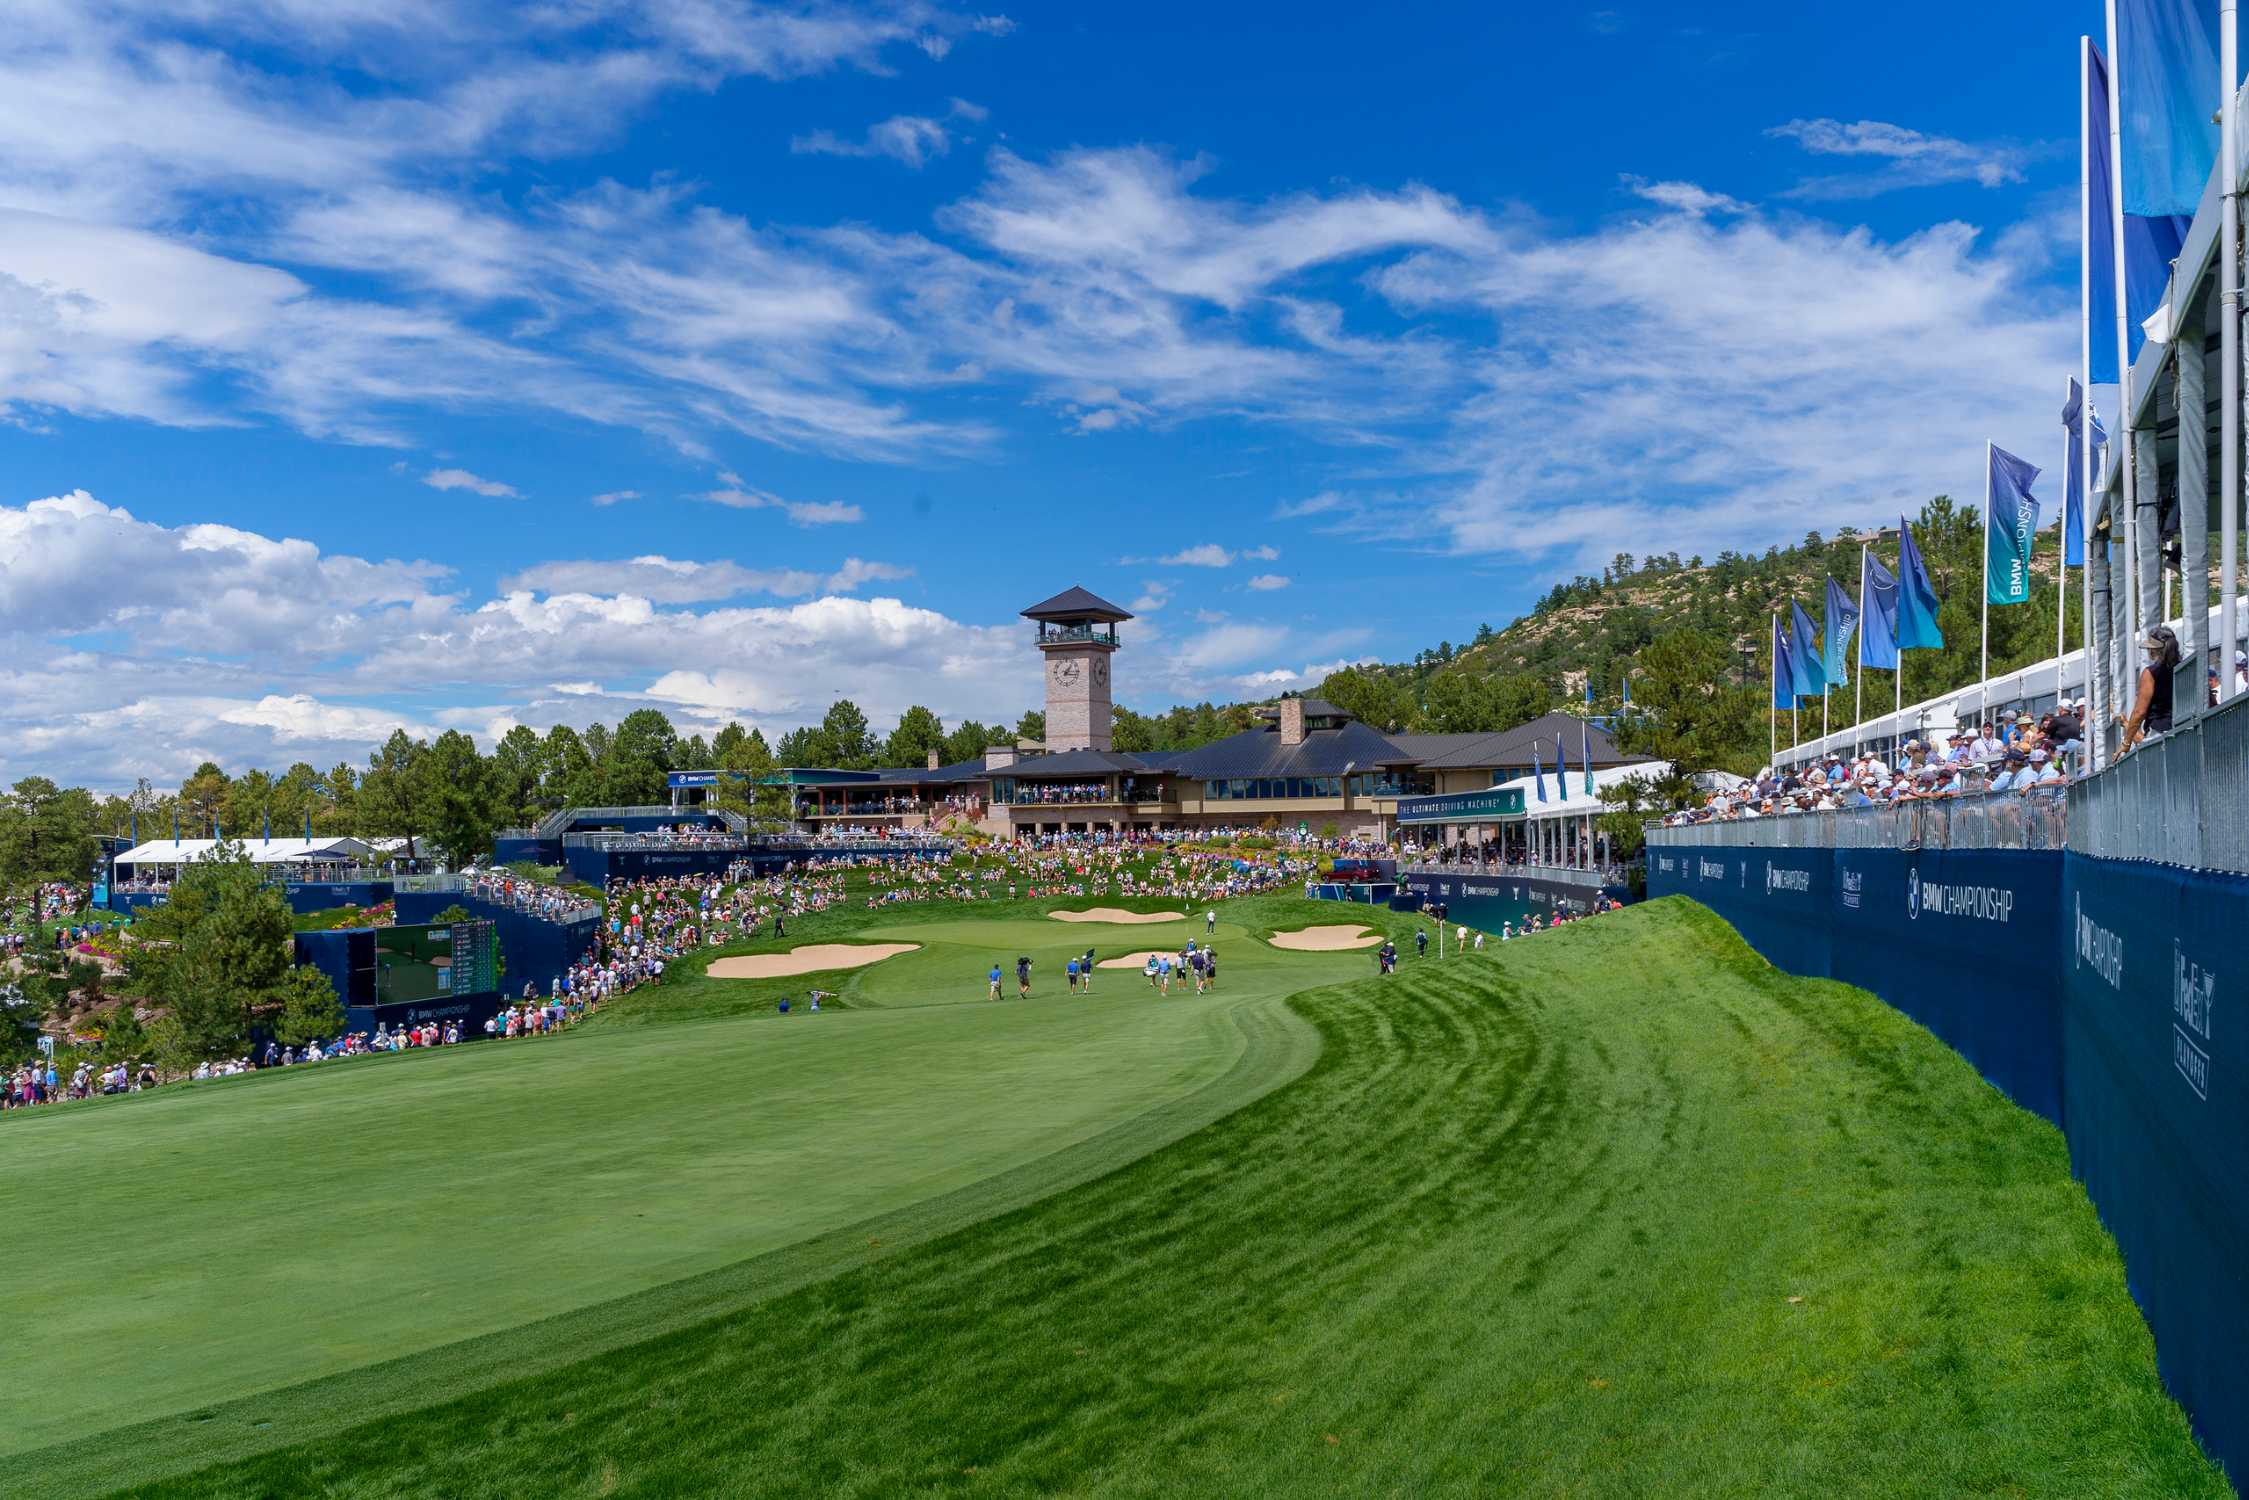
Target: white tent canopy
<point>1575,800</point>
<point>260,851</point>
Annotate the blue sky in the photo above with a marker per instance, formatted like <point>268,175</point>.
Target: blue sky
<point>377,362</point>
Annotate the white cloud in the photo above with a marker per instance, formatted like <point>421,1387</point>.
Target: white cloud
<point>1154,594</point>
<point>737,496</point>
<point>1686,197</point>
<point>1202,555</point>
<point>1908,158</point>
<point>661,580</point>
<point>462,479</point>
<point>1682,381</point>
<point>1257,682</point>
<point>911,139</point>
<point>1267,582</point>
<point>612,497</point>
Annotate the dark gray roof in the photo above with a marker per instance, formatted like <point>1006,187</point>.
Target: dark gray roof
<point>1514,747</point>
<point>1076,604</point>
<point>1259,752</point>
<point>1079,763</point>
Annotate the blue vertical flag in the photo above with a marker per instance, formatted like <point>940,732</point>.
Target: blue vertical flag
<point>269,825</point>
<point>1784,672</point>
<point>1628,689</point>
<point>2097,171</point>
<point>2167,93</point>
<point>1878,619</point>
<point>1811,681</point>
<point>2010,523</point>
<point>1835,637</point>
<point>1917,598</point>
<point>1538,772</point>
<point>308,825</point>
<point>2073,478</point>
<point>175,822</point>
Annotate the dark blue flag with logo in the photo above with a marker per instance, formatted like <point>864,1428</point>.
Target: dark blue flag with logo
<point>1538,772</point>
<point>1878,616</point>
<point>2097,174</point>
<point>1784,673</point>
<point>2010,524</point>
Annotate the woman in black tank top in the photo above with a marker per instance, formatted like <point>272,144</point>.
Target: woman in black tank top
<point>2151,707</point>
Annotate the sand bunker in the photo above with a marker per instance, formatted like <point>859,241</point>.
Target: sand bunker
<point>1327,939</point>
<point>1136,961</point>
<point>1117,914</point>
<point>814,958</point>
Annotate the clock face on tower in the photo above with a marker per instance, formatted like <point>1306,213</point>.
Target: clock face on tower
<point>1066,673</point>
<point>1101,671</point>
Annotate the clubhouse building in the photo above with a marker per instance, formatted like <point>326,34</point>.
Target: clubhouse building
<point>1308,764</point>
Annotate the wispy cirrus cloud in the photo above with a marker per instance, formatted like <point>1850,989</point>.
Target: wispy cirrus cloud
<point>462,479</point>
<point>1904,158</point>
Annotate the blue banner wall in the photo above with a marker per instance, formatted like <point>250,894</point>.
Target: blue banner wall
<point>1489,902</point>
<point>2158,1114</point>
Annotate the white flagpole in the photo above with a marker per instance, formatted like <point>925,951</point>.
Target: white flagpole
<point>2091,690</point>
<point>1858,710</point>
<point>2127,481</point>
<point>2229,344</point>
<point>2061,553</point>
<point>1983,671</point>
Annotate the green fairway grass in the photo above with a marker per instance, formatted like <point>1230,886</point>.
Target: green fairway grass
<point>371,1208</point>
<point>1616,1210</point>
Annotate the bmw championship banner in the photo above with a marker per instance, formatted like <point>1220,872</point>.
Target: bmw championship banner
<point>2010,522</point>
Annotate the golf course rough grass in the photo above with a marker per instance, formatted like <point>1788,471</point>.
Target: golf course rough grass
<point>1614,1210</point>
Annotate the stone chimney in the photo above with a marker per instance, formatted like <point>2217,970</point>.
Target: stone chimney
<point>998,757</point>
<point>933,760</point>
<point>1292,721</point>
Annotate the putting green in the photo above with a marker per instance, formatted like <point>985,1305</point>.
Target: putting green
<point>216,1241</point>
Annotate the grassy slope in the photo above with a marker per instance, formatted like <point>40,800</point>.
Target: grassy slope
<point>403,1203</point>
<point>1614,1211</point>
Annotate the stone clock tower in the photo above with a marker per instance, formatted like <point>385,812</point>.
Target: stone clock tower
<point>1077,636</point>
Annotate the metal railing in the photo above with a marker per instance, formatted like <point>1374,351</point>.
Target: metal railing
<point>2179,800</point>
<point>1995,820</point>
<point>1064,634</point>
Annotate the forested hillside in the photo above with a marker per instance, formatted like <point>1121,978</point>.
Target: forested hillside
<point>1693,633</point>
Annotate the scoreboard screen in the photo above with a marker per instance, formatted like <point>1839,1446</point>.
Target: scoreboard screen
<point>435,960</point>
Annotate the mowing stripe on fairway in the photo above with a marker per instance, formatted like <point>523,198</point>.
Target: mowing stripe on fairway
<point>1619,1210</point>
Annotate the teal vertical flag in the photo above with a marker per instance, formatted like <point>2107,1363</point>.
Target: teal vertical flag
<point>1835,639</point>
<point>2010,522</point>
<point>1561,771</point>
<point>1585,753</point>
<point>1811,681</point>
<point>1917,598</point>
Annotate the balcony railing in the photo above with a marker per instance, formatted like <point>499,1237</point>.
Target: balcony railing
<point>1062,635</point>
